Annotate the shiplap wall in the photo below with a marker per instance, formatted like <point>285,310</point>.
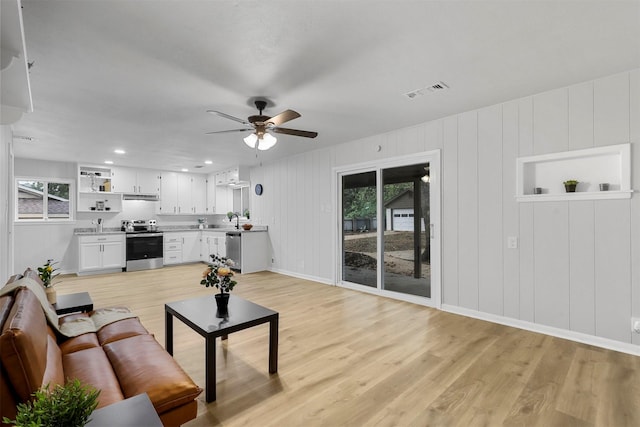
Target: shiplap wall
<point>577,265</point>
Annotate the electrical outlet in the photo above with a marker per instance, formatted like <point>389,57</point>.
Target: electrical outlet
<point>512,242</point>
<point>635,325</point>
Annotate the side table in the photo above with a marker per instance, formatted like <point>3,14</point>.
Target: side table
<point>135,411</point>
<point>73,303</point>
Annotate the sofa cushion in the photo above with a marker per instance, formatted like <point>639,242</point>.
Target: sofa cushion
<point>23,344</point>
<point>142,365</point>
<point>92,367</point>
<point>53,372</point>
<point>120,330</point>
<point>81,342</point>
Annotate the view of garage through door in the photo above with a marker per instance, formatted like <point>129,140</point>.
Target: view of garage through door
<point>387,229</point>
<point>405,240</point>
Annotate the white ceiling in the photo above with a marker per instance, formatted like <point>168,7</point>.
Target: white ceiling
<point>140,75</point>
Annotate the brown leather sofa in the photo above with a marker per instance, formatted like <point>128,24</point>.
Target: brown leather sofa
<point>122,360</point>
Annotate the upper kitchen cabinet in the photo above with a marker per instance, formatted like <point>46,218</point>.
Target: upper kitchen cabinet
<point>182,194</point>
<point>95,191</point>
<point>233,176</point>
<point>14,74</point>
<point>135,181</point>
<point>211,194</point>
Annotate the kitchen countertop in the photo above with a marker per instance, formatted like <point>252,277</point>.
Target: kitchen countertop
<point>168,229</point>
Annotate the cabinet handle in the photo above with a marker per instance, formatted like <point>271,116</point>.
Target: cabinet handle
<point>102,238</point>
<point>174,209</point>
<point>134,188</point>
<point>139,190</point>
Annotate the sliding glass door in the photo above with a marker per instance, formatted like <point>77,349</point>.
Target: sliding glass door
<point>406,238</point>
<point>387,228</point>
<point>359,225</point>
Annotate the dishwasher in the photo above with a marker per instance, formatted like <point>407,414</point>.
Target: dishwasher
<point>234,249</point>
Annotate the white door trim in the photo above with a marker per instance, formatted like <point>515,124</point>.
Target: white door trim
<point>434,159</point>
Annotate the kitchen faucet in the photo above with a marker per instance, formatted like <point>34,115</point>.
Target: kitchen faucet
<point>237,220</point>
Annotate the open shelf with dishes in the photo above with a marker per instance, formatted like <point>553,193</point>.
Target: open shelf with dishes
<point>601,172</point>
<point>94,190</point>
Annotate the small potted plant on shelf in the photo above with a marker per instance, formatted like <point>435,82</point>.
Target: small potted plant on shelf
<point>570,185</point>
<point>46,274</point>
<point>68,405</point>
<point>220,275</point>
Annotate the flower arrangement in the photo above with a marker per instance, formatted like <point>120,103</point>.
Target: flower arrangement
<point>219,274</point>
<point>46,273</point>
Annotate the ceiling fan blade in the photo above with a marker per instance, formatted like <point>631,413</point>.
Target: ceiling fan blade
<point>283,117</point>
<point>295,132</point>
<point>230,130</point>
<point>226,116</point>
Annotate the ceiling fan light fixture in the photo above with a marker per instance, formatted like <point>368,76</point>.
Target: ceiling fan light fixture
<point>267,141</point>
<point>251,140</point>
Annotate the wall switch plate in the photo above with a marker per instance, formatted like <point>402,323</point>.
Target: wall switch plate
<point>512,242</point>
<point>635,324</point>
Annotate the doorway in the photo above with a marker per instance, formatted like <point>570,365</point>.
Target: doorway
<point>389,222</point>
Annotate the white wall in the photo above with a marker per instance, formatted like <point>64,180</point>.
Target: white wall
<point>577,267</point>
<point>6,229</point>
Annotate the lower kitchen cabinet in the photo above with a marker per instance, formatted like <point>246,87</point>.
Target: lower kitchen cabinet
<point>101,252</point>
<point>172,248</point>
<point>181,247</point>
<point>213,242</point>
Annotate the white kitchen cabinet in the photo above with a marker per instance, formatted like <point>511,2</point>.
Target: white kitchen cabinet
<point>191,246</point>
<point>168,193</point>
<point>182,194</point>
<point>233,175</point>
<point>199,194</point>
<point>136,181</point>
<point>256,252</point>
<point>213,242</point>
<point>172,248</point>
<point>148,181</point>
<point>211,194</point>
<point>101,252</point>
<point>182,247</point>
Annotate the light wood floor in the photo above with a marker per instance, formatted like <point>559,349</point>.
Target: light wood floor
<point>353,359</point>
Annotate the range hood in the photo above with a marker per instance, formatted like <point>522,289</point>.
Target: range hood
<point>138,196</point>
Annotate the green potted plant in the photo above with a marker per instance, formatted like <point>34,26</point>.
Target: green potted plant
<point>68,405</point>
<point>220,275</point>
<point>570,185</point>
<point>47,273</point>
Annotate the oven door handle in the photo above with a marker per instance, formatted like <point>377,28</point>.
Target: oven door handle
<point>131,236</point>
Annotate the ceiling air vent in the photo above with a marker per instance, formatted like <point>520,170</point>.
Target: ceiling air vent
<point>436,87</point>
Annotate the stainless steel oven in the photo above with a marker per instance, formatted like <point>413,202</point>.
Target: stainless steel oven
<point>145,248</point>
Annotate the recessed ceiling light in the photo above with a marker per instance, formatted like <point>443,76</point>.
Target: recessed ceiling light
<point>119,151</point>
<point>185,170</point>
<point>208,162</point>
<point>108,162</point>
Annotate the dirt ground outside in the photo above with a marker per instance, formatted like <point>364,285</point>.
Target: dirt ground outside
<point>360,251</point>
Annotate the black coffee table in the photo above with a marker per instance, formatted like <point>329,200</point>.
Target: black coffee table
<point>200,315</point>
<point>73,303</point>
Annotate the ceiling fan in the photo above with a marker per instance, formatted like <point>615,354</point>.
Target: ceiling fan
<point>262,126</point>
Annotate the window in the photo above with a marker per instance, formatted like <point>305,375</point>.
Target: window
<point>42,199</point>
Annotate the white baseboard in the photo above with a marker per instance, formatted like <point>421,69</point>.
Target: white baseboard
<point>547,330</point>
<point>322,280</point>
<point>507,321</point>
